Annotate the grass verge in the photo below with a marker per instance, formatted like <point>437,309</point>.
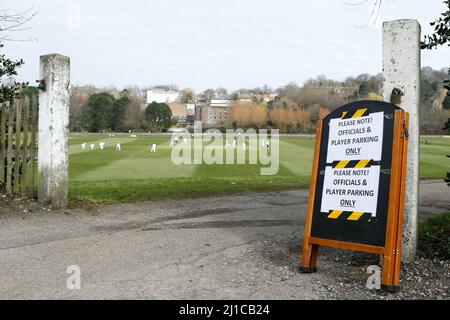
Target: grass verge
<point>434,237</point>
<point>128,191</point>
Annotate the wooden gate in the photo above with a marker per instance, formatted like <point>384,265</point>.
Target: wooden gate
<point>18,147</point>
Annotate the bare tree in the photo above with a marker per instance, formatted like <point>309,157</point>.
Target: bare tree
<point>375,13</point>
<point>246,114</point>
<point>11,22</point>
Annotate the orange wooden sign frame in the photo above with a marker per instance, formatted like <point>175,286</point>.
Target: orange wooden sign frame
<point>391,252</point>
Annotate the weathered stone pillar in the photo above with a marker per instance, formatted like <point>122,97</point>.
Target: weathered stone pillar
<point>53,152</point>
<point>401,69</point>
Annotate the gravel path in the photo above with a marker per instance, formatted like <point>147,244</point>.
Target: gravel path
<point>243,246</point>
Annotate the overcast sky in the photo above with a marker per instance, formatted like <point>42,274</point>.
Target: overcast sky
<point>212,43</point>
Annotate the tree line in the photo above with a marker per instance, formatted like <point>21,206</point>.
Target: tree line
<point>96,110</point>
<point>296,108</point>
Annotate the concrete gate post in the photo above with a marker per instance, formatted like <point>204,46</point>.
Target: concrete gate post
<point>401,70</point>
<point>53,147</point>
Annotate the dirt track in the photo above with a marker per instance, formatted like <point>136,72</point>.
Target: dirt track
<point>234,247</point>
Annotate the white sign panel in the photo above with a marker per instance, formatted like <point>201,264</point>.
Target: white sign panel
<point>356,138</point>
<point>354,190</point>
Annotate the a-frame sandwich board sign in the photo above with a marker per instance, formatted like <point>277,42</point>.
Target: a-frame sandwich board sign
<point>357,189</point>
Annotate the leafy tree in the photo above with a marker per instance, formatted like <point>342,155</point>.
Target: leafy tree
<point>447,126</point>
<point>446,103</point>
<point>435,86</point>
<point>118,112</point>
<point>98,112</point>
<point>9,88</point>
<point>441,35</point>
<point>187,95</point>
<point>426,90</point>
<point>364,89</point>
<point>159,115</point>
<point>221,92</point>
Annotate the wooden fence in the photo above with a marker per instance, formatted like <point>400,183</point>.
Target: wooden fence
<point>18,147</point>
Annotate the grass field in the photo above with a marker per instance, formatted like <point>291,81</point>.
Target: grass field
<point>135,174</point>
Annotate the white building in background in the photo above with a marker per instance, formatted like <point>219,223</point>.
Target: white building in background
<point>190,108</point>
<point>162,96</point>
